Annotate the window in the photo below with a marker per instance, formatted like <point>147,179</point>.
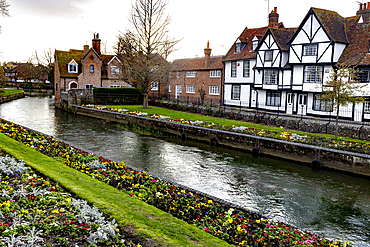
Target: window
<point>367,107</point>
<point>177,75</point>
<point>154,86</point>
<point>363,76</point>
<point>246,66</point>
<point>233,69</point>
<point>180,88</point>
<point>235,92</point>
<point>268,56</point>
<point>238,47</point>
<point>270,77</point>
<point>309,50</point>
<point>215,73</point>
<point>214,90</point>
<point>273,98</point>
<point>56,87</point>
<point>320,104</point>
<point>190,88</point>
<point>254,45</point>
<point>89,86</point>
<point>91,68</point>
<point>191,73</point>
<point>313,74</point>
<point>169,88</point>
<point>114,70</point>
<point>72,68</point>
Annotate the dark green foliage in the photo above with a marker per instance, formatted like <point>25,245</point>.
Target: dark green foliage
<point>118,95</point>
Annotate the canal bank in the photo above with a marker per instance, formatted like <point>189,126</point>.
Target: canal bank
<point>319,157</point>
<point>7,98</point>
<point>330,204</point>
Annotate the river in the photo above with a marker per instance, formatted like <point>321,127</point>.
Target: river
<point>326,203</point>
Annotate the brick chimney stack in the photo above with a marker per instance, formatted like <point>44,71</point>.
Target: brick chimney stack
<point>86,48</point>
<point>96,43</point>
<point>364,11</point>
<point>274,18</point>
<point>207,54</point>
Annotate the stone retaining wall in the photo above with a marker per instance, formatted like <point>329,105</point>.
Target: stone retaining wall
<point>7,98</point>
<point>348,162</point>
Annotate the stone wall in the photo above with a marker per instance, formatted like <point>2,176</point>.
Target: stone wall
<point>7,98</point>
<point>75,96</point>
<point>343,161</point>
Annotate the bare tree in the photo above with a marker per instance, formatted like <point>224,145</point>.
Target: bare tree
<point>44,63</point>
<point>4,9</point>
<point>145,49</point>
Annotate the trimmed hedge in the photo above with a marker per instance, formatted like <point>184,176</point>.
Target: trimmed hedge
<point>117,95</point>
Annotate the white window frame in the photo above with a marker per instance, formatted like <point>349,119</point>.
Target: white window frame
<point>235,92</point>
<point>367,107</point>
<point>215,73</point>
<point>270,76</point>
<point>313,74</point>
<point>88,86</point>
<point>273,98</point>
<point>73,64</point>
<point>269,56</point>
<point>190,89</point>
<point>320,104</point>
<point>310,50</point>
<point>180,88</point>
<point>246,68</point>
<point>154,86</point>
<point>191,74</point>
<point>214,90</point>
<point>234,66</point>
<point>114,70</point>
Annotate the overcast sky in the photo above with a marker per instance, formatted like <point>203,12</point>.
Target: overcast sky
<point>70,24</point>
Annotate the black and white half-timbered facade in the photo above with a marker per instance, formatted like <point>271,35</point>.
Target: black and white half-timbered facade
<point>289,66</point>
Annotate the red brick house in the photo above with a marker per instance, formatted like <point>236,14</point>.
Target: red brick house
<point>197,79</point>
<point>87,68</point>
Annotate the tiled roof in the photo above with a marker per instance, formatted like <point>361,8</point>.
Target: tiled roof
<point>64,57</point>
<point>333,23</point>
<point>282,36</point>
<point>188,64</point>
<point>246,37</point>
<point>357,52</point>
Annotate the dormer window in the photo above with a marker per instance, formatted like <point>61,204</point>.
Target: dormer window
<point>72,67</point>
<point>238,47</point>
<point>254,43</point>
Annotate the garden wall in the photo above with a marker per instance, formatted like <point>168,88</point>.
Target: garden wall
<point>7,98</point>
<point>348,162</point>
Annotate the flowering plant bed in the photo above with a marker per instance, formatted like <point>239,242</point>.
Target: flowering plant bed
<point>37,212</point>
<point>238,227</point>
<point>319,140</point>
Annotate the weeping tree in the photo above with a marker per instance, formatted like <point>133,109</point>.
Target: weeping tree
<point>144,49</point>
<point>342,89</point>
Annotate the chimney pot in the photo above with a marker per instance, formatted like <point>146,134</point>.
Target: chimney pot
<point>275,9</point>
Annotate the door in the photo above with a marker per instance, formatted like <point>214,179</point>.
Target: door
<point>177,95</point>
<point>289,103</point>
<point>302,104</point>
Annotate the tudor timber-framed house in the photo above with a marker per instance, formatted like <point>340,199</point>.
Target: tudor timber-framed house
<point>84,69</point>
<point>289,66</point>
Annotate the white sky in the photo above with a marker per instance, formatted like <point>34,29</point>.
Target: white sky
<point>69,24</point>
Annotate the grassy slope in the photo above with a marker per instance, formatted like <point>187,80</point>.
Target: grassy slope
<point>147,220</point>
<point>9,91</point>
<point>192,116</point>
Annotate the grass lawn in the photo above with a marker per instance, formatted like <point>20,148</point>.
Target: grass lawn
<point>5,92</point>
<point>227,122</point>
<point>146,220</point>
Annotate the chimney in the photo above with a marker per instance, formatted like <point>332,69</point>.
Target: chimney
<point>86,48</point>
<point>274,18</point>
<point>207,54</point>
<point>364,11</point>
<point>96,43</point>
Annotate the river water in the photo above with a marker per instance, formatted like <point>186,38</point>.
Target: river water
<point>329,204</point>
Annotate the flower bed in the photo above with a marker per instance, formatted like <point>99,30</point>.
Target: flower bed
<point>238,227</point>
<point>286,136</point>
<point>37,212</point>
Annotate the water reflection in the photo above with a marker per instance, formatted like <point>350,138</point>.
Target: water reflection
<point>330,204</point>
